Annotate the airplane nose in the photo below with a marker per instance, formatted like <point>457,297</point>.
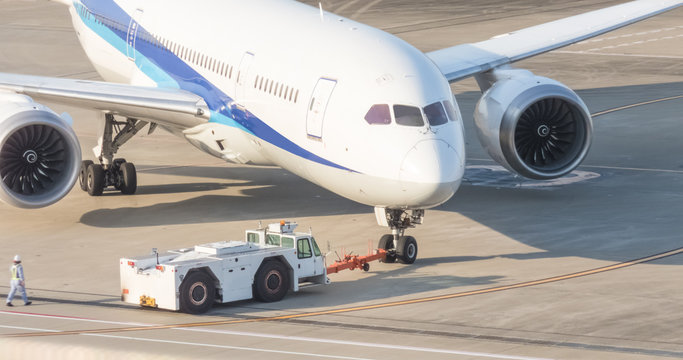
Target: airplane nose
<point>431,173</point>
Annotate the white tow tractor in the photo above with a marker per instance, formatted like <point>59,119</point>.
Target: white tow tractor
<point>266,266</point>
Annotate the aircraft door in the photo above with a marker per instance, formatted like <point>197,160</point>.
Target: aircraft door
<point>132,35</point>
<point>317,107</point>
<point>242,74</point>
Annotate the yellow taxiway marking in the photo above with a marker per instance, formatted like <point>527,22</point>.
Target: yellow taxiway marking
<point>366,307</point>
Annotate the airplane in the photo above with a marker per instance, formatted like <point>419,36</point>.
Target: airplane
<point>344,105</point>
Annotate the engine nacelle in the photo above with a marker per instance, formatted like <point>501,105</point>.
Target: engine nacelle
<point>532,125</point>
<point>40,155</point>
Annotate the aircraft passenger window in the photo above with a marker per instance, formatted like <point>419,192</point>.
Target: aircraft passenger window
<point>260,87</point>
<point>282,87</point>
<point>256,82</point>
<point>435,114</point>
<point>296,97</point>
<point>270,90</point>
<point>230,76</point>
<point>378,115</point>
<point>304,249</point>
<point>286,92</point>
<point>408,115</point>
<point>450,110</point>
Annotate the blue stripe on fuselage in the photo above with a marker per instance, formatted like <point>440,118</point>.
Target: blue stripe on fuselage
<point>168,70</point>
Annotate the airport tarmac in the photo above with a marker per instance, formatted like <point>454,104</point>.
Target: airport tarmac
<point>589,267</point>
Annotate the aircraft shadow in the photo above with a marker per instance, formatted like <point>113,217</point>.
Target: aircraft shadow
<point>614,217</point>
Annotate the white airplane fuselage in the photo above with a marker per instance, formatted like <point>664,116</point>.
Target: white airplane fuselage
<point>289,86</point>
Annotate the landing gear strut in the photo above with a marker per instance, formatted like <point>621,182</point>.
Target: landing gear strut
<point>118,173</point>
<point>398,246</point>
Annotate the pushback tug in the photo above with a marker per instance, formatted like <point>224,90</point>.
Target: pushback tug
<point>270,262</point>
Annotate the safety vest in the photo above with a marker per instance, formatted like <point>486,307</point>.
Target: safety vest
<point>15,272</point>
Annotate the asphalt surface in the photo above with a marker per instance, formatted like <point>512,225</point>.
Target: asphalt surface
<point>480,254</point>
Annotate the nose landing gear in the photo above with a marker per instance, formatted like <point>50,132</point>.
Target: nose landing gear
<point>398,246</point>
<point>118,173</point>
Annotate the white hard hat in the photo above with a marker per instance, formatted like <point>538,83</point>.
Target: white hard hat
<point>17,258</point>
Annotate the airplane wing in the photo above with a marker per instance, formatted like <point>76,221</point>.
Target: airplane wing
<point>462,61</point>
<point>170,107</point>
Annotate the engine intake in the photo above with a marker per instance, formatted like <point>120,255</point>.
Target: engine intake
<point>534,126</point>
<point>39,153</point>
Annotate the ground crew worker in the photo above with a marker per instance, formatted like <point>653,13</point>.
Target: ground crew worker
<point>17,282</point>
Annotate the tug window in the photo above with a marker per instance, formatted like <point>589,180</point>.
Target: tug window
<point>378,115</point>
<point>408,115</point>
<point>273,239</point>
<point>304,249</point>
<point>435,114</point>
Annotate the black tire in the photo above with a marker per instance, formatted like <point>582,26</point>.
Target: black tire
<point>95,180</point>
<point>197,293</point>
<point>83,174</point>
<point>129,179</point>
<point>407,249</point>
<point>386,242</point>
<point>271,282</point>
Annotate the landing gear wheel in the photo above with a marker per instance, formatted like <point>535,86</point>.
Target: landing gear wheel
<point>115,170</point>
<point>128,183</point>
<point>272,282</point>
<point>407,249</point>
<point>197,293</point>
<point>386,242</point>
<point>83,174</point>
<point>95,180</point>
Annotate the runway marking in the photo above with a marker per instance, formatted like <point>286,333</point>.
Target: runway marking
<point>364,9</point>
<point>618,54</point>
<point>634,43</point>
<point>369,307</point>
<point>272,336</point>
<point>630,35</point>
<point>345,5</point>
<point>227,347</point>
<point>600,113</point>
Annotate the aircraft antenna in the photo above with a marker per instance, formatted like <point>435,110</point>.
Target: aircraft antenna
<point>322,16</point>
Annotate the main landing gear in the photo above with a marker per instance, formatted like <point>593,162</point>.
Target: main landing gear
<point>398,246</point>
<point>118,173</point>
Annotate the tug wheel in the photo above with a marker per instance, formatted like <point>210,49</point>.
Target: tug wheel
<point>197,293</point>
<point>272,281</point>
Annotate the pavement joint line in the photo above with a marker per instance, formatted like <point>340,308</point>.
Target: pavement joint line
<point>608,111</point>
<point>368,307</point>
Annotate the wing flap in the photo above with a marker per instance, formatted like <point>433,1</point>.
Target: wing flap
<point>170,107</point>
<point>459,62</point>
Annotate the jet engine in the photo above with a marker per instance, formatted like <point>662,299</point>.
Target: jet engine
<point>532,125</point>
<point>40,155</point>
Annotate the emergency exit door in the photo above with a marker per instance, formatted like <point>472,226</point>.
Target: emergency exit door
<point>317,107</point>
<point>132,35</point>
<point>242,73</point>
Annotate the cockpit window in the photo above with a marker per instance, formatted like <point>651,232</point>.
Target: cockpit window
<point>408,115</point>
<point>435,114</point>
<point>450,110</point>
<point>378,115</point>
